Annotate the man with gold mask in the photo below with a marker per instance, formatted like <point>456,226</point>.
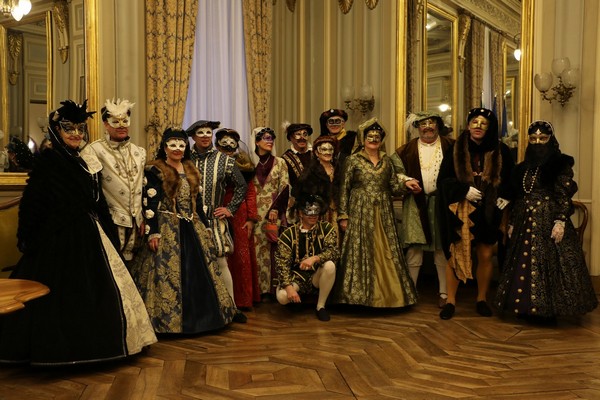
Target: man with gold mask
<point>474,188</point>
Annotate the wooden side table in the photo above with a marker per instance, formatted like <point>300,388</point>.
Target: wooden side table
<point>15,292</point>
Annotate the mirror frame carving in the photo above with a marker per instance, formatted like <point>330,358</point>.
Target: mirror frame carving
<point>17,180</point>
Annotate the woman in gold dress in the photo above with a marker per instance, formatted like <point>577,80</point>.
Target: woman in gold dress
<point>372,269</point>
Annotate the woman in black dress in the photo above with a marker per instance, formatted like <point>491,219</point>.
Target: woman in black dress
<point>544,274</point>
<point>93,311</point>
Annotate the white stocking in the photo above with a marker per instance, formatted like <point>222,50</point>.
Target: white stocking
<point>439,258</point>
<point>323,279</point>
<point>226,275</point>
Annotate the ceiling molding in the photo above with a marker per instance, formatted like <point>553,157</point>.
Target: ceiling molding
<point>504,15</point>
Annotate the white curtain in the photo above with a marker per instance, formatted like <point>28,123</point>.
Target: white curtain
<point>218,90</point>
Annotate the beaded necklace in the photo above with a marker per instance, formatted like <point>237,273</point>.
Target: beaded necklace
<point>433,158</point>
<point>533,179</point>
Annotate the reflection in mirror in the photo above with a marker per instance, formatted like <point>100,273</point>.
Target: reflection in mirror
<point>29,90</point>
<point>24,111</point>
<point>511,98</point>
<point>440,74</point>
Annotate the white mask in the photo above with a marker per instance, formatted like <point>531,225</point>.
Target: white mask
<point>176,144</point>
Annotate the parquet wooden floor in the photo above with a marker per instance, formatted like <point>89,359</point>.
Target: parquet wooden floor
<point>360,354</point>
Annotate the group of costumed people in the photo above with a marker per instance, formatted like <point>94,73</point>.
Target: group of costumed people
<point>185,243</point>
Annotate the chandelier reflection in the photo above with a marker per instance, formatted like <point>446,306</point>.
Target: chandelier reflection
<point>16,8</point>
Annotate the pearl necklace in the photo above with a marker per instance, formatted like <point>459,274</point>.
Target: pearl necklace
<point>533,179</point>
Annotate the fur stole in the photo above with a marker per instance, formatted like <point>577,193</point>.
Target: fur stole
<point>171,182</point>
<point>492,163</point>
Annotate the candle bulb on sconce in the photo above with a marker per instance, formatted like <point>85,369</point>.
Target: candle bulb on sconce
<point>567,79</point>
<point>364,103</point>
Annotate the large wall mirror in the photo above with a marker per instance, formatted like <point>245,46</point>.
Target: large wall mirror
<point>511,97</point>
<point>42,61</point>
<point>440,81</point>
<point>467,54</point>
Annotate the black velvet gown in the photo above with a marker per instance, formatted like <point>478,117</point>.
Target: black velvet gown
<point>539,277</point>
<point>93,311</point>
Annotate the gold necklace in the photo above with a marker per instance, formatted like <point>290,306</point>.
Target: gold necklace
<point>432,158</point>
<point>266,161</point>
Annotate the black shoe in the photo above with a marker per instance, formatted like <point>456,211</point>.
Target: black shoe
<point>447,311</point>
<point>240,317</point>
<point>323,315</point>
<point>483,309</point>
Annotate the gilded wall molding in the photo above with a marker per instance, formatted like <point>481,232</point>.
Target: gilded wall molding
<point>464,26</point>
<point>493,13</point>
<point>15,46</point>
<point>60,12</point>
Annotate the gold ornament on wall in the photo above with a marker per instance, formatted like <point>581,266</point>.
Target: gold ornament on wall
<point>371,4</point>
<point>345,5</point>
<point>291,5</point>
<point>464,26</point>
<point>15,46</point>
<point>61,19</point>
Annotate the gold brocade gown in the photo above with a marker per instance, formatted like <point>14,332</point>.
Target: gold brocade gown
<point>372,270</point>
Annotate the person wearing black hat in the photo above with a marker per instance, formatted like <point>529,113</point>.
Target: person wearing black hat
<point>298,156</point>
<point>242,262</point>
<point>545,274</point>
<point>372,268</point>
<point>306,255</point>
<point>417,164</point>
<point>333,123</point>
<point>323,177</point>
<point>176,272</point>
<point>473,189</point>
<point>217,171</point>
<point>93,311</point>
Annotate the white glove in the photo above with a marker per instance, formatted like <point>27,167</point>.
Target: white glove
<point>501,203</point>
<point>510,231</point>
<point>558,231</point>
<point>473,195</point>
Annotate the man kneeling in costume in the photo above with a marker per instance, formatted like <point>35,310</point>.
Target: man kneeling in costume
<point>306,256</point>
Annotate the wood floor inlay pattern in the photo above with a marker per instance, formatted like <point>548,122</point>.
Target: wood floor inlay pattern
<point>360,354</point>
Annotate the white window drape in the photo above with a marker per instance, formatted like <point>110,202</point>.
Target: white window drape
<point>218,90</point>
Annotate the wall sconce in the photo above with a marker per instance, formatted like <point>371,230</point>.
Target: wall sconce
<point>364,103</point>
<point>517,52</point>
<point>42,123</point>
<point>567,77</point>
